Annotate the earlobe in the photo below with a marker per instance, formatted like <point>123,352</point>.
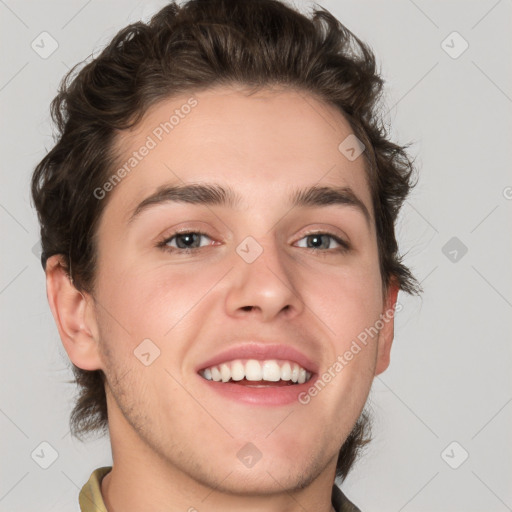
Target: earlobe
<point>72,313</point>
<point>387,332</point>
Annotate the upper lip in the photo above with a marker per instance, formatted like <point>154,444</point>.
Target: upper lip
<point>261,352</point>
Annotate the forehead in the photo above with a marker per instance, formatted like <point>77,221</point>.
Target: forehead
<point>262,144</point>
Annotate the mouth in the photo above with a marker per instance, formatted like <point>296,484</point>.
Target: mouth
<point>254,382</point>
<point>255,373</point>
<point>258,374</point>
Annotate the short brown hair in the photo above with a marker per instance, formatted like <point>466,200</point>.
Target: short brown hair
<point>192,47</point>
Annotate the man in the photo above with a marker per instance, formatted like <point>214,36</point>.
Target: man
<point>217,222</point>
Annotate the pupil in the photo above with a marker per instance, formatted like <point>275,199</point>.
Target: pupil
<point>316,238</point>
<point>188,237</point>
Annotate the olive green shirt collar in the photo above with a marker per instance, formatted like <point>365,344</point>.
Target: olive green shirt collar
<point>91,500</point>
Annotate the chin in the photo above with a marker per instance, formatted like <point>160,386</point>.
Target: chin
<point>266,476</point>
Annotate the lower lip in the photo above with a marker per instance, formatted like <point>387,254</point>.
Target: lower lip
<point>265,395</point>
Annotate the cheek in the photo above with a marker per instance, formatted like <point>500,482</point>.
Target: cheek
<point>347,302</point>
<point>161,303</point>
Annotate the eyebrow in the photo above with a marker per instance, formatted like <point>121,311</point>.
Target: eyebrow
<point>212,194</point>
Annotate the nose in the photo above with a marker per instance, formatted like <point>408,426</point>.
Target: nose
<point>265,286</point>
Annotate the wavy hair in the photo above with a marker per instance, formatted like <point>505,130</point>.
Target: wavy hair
<point>192,47</point>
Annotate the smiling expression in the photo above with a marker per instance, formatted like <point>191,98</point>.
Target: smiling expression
<point>243,235</point>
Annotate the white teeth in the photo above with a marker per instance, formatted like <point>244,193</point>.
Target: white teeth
<point>270,370</point>
<point>295,373</point>
<point>216,376</point>
<point>286,372</point>
<point>253,370</point>
<point>237,370</point>
<point>225,372</point>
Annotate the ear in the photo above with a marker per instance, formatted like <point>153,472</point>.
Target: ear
<point>74,315</point>
<point>388,330</point>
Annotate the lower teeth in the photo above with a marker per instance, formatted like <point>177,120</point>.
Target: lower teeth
<point>263,382</point>
<point>260,383</point>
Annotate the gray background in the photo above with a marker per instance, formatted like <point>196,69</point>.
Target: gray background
<point>450,375</point>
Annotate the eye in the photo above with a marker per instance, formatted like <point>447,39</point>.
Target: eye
<point>185,242</point>
<point>323,242</point>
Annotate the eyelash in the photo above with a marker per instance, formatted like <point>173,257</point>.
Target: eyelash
<point>344,246</point>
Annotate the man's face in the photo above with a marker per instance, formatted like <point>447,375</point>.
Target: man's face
<point>264,274</point>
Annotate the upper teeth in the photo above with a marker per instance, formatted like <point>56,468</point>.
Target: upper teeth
<point>254,370</point>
